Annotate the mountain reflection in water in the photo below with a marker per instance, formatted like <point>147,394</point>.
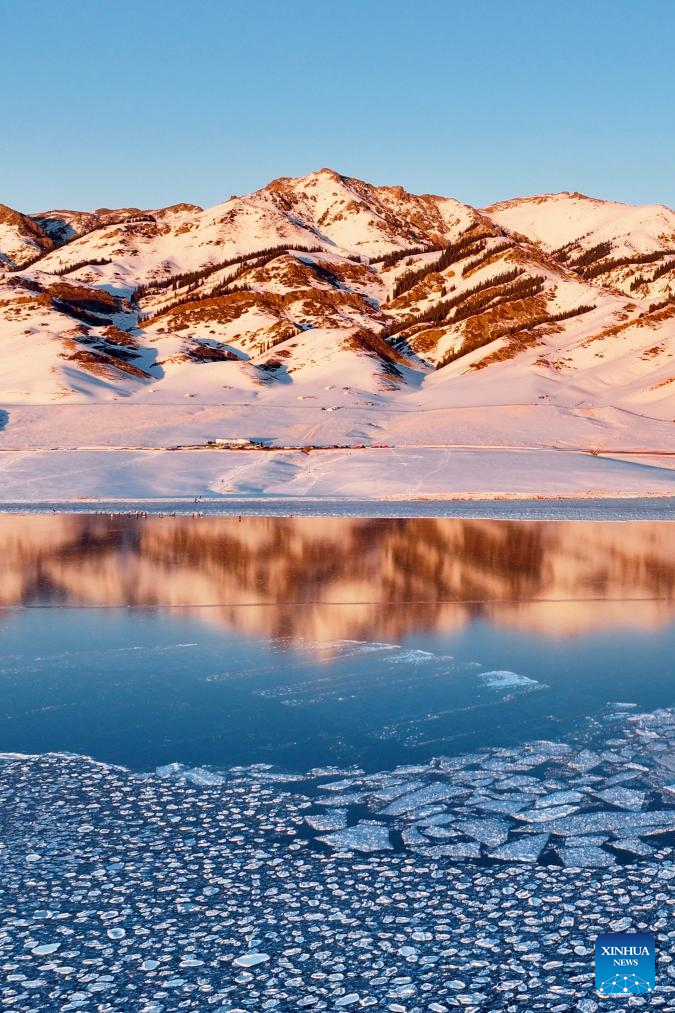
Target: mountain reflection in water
<point>390,578</point>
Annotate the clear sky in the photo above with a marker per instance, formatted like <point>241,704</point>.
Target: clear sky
<point>150,102</point>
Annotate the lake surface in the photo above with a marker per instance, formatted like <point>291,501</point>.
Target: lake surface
<point>412,764</point>
<point>309,641</point>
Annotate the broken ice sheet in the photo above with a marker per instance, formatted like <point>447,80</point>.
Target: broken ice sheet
<point>543,750</point>
<point>345,783</point>
<point>460,850</point>
<point>516,781</point>
<point>584,761</point>
<point>582,858</point>
<point>413,838</point>
<point>415,657</point>
<point>345,799</point>
<point>364,836</point>
<point>624,798</point>
<point>388,793</point>
<point>203,777</point>
<point>639,824</point>
<point>525,849</point>
<point>507,806</point>
<point>590,841</point>
<point>169,769</point>
<point>439,833</point>
<point>334,819</point>
<point>558,798</point>
<point>634,845</point>
<point>624,778</point>
<point>503,679</point>
<point>488,831</point>
<point>547,814</point>
<point>437,792</point>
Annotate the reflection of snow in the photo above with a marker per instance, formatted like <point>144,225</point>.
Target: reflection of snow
<point>620,983</point>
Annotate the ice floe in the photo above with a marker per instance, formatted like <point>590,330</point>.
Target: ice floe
<point>364,836</point>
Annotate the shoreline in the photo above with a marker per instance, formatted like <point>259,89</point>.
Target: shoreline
<point>500,506</point>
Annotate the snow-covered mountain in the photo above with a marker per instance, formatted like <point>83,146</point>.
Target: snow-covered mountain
<point>332,292</point>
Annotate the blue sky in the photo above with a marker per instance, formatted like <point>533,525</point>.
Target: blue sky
<point>149,102</point>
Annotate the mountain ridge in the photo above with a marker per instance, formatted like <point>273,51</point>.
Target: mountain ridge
<point>327,282</point>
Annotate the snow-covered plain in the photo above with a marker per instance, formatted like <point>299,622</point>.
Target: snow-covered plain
<point>537,359</point>
<point>419,473</point>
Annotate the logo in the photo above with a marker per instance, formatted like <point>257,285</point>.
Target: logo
<point>625,962</point>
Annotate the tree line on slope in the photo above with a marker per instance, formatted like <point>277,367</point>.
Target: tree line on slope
<point>440,311</point>
<point>465,246</point>
<point>477,341</point>
<point>665,268</point>
<point>192,278</point>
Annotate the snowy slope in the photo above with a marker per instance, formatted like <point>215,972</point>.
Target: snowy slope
<point>631,248</point>
<point>324,311</point>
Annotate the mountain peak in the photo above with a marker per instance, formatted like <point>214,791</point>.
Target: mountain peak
<point>327,273</point>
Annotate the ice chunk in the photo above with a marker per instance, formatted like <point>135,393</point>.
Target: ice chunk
<point>346,782</point>
<point>364,836</point>
<point>582,858</point>
<point>334,819</point>
<point>439,833</point>
<point>413,838</point>
<point>585,760</point>
<point>557,798</point>
<point>345,799</point>
<point>436,792</point>
<point>203,777</point>
<point>170,769</point>
<point>543,750</point>
<point>508,806</point>
<point>250,959</point>
<point>551,813</point>
<point>460,850</point>
<point>634,845</point>
<point>414,657</point>
<point>590,840</point>
<point>624,798</point>
<point>516,781</point>
<point>44,949</point>
<point>507,680</point>
<point>439,820</point>
<point>631,823</point>
<point>525,849</point>
<point>488,831</point>
<point>389,792</point>
<point>624,778</point>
